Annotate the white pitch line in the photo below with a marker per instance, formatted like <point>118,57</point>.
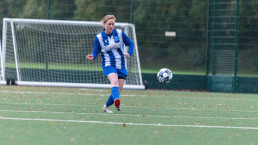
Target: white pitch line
<point>220,99</point>
<point>166,108</point>
<point>135,115</point>
<point>130,123</point>
<point>96,90</point>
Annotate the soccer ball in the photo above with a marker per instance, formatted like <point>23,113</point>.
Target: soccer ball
<point>164,75</point>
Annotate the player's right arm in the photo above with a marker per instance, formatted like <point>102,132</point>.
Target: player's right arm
<point>90,57</point>
<point>95,51</point>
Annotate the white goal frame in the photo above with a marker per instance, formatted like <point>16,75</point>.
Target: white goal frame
<point>19,80</point>
<point>2,81</point>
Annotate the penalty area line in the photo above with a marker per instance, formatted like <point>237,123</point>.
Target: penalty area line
<point>130,123</point>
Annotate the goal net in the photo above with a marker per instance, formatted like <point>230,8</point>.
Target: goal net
<point>52,53</point>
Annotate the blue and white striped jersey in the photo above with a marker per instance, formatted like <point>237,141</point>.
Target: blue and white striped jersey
<point>111,47</point>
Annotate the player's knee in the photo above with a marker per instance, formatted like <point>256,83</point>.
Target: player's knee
<point>114,83</point>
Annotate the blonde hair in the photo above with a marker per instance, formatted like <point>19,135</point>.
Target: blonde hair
<point>106,18</point>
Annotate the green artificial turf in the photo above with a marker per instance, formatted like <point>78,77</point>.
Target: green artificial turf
<point>67,116</point>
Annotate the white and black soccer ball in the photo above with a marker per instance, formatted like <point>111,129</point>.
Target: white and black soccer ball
<point>164,75</point>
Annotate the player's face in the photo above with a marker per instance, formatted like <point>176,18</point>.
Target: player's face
<point>109,26</point>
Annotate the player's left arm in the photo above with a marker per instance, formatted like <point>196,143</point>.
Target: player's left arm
<point>128,42</point>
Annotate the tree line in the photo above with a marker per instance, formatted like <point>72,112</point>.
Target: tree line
<point>152,18</point>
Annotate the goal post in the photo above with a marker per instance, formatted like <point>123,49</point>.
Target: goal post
<point>52,53</point>
<point>2,81</point>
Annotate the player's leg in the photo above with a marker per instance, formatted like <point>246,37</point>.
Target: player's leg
<point>117,100</point>
<point>113,78</point>
<point>117,79</point>
<point>107,109</point>
<point>109,102</point>
<point>122,74</point>
<point>111,73</point>
<point>121,85</point>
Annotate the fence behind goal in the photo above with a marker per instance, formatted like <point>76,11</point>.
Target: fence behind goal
<point>198,49</point>
<point>52,53</point>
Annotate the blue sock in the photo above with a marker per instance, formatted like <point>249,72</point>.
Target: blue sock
<point>115,93</point>
<point>110,101</point>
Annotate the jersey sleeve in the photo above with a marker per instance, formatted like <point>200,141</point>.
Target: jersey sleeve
<point>96,48</point>
<point>128,42</point>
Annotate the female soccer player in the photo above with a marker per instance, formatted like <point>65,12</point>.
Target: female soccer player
<point>110,43</point>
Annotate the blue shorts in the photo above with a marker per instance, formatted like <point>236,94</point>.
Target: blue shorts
<point>122,73</point>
